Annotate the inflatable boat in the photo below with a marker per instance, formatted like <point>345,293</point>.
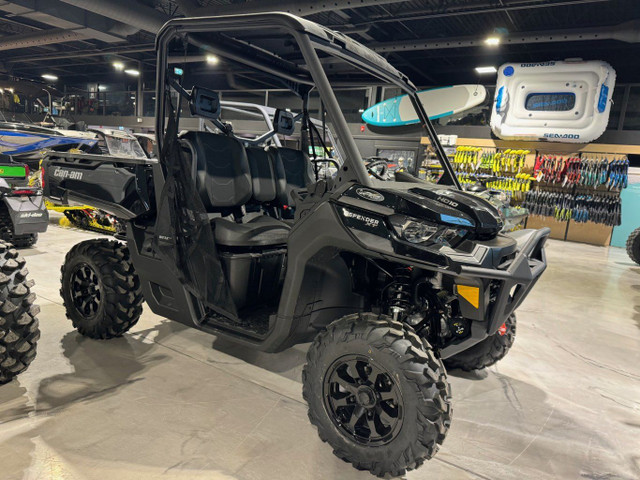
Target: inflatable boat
<point>564,101</point>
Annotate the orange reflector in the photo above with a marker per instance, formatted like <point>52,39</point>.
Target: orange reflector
<point>470,294</point>
<point>503,329</point>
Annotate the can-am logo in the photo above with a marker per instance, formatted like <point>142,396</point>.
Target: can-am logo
<point>70,174</point>
<point>447,201</point>
<point>562,135</point>
<point>368,221</point>
<point>31,215</point>
<point>541,64</point>
<point>370,195</point>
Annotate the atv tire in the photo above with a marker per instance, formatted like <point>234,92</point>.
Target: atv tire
<point>487,352</point>
<point>633,246</point>
<point>100,289</point>
<point>367,373</point>
<point>19,331</point>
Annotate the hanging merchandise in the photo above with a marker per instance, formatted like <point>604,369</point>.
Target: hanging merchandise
<point>587,170</point>
<point>602,208</point>
<point>466,159</point>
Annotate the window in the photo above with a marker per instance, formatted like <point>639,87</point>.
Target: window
<point>632,115</point>
<point>550,102</point>
<point>616,107</point>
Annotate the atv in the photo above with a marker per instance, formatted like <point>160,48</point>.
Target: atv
<point>386,279</point>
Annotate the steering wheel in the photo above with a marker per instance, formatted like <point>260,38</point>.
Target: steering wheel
<point>375,162</point>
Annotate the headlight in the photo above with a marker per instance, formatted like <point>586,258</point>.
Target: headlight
<point>416,231</point>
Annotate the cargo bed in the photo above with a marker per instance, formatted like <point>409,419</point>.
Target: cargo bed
<point>121,186</point>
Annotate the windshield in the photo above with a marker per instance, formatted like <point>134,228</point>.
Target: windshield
<point>124,147</point>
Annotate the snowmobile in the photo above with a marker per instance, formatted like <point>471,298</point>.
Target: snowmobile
<point>386,279</point>
<point>23,214</point>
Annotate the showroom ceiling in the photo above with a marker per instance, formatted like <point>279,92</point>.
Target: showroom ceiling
<point>434,41</point>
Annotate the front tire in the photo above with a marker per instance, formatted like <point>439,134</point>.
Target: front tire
<point>633,246</point>
<point>377,394</point>
<point>100,289</point>
<point>487,352</point>
<point>19,331</point>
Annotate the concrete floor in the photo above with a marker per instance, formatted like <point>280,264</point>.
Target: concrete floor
<point>167,401</point>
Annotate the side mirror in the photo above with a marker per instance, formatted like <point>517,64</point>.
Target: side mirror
<point>204,103</point>
<point>284,123</point>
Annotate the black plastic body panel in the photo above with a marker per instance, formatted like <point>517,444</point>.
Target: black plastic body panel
<point>28,213</point>
<point>119,186</point>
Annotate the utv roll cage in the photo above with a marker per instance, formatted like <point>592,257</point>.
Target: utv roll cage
<point>299,78</point>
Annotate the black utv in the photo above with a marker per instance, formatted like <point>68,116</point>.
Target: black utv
<point>386,278</point>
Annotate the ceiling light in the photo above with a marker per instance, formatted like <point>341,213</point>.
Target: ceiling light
<point>492,41</point>
<point>131,71</point>
<point>212,60</point>
<point>486,69</point>
<point>48,76</point>
<point>118,65</point>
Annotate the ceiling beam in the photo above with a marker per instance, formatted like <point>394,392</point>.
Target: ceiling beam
<point>83,53</point>
<point>469,9</point>
<point>46,37</point>
<point>60,15</point>
<point>125,11</point>
<point>300,8</point>
<point>627,32</point>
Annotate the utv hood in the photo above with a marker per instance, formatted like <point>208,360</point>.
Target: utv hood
<point>436,204</point>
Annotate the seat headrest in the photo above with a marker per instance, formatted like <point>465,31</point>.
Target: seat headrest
<point>223,178</point>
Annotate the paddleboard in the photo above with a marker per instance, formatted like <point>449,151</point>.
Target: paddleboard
<point>438,103</point>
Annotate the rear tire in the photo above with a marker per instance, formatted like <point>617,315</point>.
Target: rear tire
<point>633,246</point>
<point>487,352</point>
<point>19,331</point>
<point>377,394</point>
<point>100,289</point>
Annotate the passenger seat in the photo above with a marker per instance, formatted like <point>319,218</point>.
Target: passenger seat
<point>298,170</point>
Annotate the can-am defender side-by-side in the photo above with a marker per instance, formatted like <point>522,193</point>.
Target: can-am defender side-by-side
<point>385,278</point>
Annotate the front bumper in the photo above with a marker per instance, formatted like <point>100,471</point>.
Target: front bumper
<point>509,284</point>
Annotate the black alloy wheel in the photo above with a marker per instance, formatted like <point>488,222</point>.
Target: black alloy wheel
<point>363,400</point>
<point>86,290</point>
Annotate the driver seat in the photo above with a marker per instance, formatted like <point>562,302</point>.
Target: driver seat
<point>223,181</point>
